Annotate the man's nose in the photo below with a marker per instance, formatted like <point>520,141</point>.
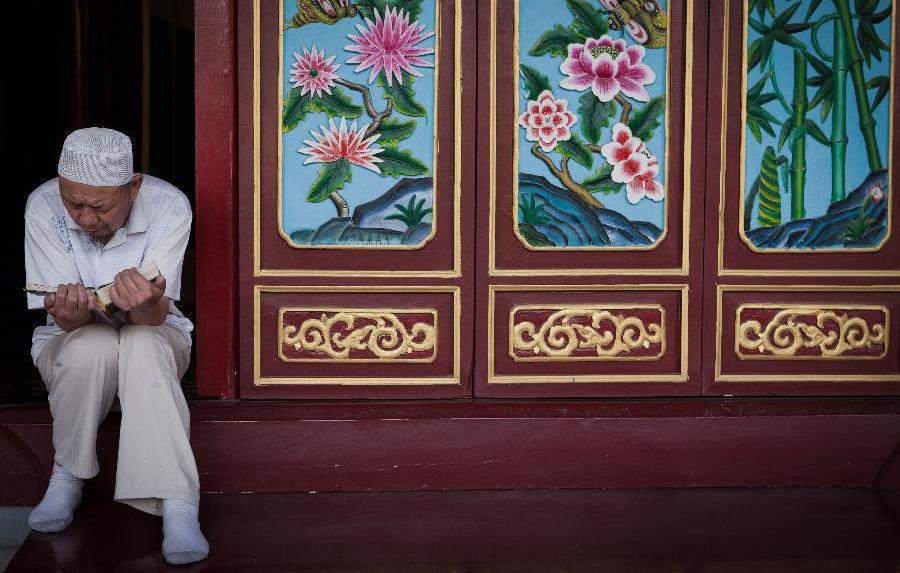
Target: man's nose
<point>88,218</point>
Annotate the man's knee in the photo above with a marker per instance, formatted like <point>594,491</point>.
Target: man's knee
<point>146,344</point>
<point>89,345</point>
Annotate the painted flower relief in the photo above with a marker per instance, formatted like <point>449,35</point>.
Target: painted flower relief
<point>608,67</point>
<point>547,121</point>
<point>334,144</point>
<point>593,125</point>
<point>365,124</point>
<point>311,72</point>
<point>818,77</point>
<point>390,45</point>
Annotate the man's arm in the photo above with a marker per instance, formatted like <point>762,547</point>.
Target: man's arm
<point>72,306</point>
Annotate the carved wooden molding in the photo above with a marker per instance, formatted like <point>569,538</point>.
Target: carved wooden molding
<point>358,335</point>
<point>794,332</point>
<point>605,332</point>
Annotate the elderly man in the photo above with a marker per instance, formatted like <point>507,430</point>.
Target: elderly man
<point>94,225</point>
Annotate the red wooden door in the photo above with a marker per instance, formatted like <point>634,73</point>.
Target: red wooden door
<point>803,269</point>
<point>344,306</point>
<point>579,296</point>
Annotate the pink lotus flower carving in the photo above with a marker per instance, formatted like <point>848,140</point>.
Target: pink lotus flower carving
<point>547,121</point>
<point>389,44</point>
<point>335,143</point>
<point>312,72</point>
<point>608,67</point>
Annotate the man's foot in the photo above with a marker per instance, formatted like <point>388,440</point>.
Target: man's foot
<point>54,513</point>
<point>183,542</point>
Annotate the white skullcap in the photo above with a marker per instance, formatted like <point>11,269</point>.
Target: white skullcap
<point>97,156</point>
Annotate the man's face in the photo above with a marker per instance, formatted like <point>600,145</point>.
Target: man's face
<point>101,211</point>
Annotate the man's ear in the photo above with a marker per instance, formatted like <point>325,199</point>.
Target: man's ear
<point>136,181</point>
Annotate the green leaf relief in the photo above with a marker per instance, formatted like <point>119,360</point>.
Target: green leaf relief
<point>601,181</point>
<point>403,96</point>
<point>574,149</point>
<point>595,115</point>
<point>331,177</point>
<point>646,119</point>
<point>393,130</point>
<point>398,162</point>
<point>555,41</point>
<point>589,21</point>
<point>533,81</point>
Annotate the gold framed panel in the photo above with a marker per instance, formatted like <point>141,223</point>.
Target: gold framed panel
<point>794,377</point>
<point>684,268</point>
<point>260,380</point>
<point>680,377</point>
<point>456,271</point>
<point>771,272</point>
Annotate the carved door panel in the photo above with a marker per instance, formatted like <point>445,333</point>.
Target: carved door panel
<point>803,257</point>
<point>356,183</point>
<point>589,234</point>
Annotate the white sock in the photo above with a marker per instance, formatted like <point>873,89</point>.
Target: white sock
<point>54,513</point>
<point>183,542</point>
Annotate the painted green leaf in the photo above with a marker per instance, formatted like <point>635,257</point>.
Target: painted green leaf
<point>555,41</point>
<point>883,83</point>
<point>785,131</point>
<point>589,21</point>
<point>600,181</point>
<point>574,149</point>
<point>337,104</point>
<point>332,176</point>
<point>413,7</point>
<point>815,131</point>
<point>812,8</point>
<point>646,119</point>
<point>533,81</point>
<point>396,162</point>
<point>295,109</point>
<point>594,114</point>
<point>394,130</point>
<point>403,96</point>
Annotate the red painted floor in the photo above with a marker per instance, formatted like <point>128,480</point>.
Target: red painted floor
<point>569,530</point>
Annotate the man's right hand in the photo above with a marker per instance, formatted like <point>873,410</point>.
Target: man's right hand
<point>72,306</point>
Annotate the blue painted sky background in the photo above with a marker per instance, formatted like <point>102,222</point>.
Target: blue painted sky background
<point>366,185</point>
<point>818,157</point>
<point>538,16</point>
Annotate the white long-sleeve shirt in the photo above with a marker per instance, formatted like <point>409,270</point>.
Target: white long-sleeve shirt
<point>58,250</point>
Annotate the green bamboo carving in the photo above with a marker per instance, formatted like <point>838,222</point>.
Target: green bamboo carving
<point>866,121</point>
<point>839,116</point>
<point>769,214</point>
<point>798,137</point>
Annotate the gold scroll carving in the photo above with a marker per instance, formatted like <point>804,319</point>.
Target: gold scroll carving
<point>381,334</point>
<point>606,334</point>
<point>831,333</point>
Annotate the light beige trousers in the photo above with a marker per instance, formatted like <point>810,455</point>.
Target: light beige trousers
<point>85,369</point>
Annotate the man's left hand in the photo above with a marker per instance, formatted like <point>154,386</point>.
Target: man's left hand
<point>132,292</point>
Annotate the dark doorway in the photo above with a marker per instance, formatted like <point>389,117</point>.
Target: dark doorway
<point>124,64</point>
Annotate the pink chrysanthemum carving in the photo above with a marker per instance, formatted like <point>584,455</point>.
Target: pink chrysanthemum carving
<point>335,143</point>
<point>312,72</point>
<point>607,66</point>
<point>389,44</point>
<point>547,121</point>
